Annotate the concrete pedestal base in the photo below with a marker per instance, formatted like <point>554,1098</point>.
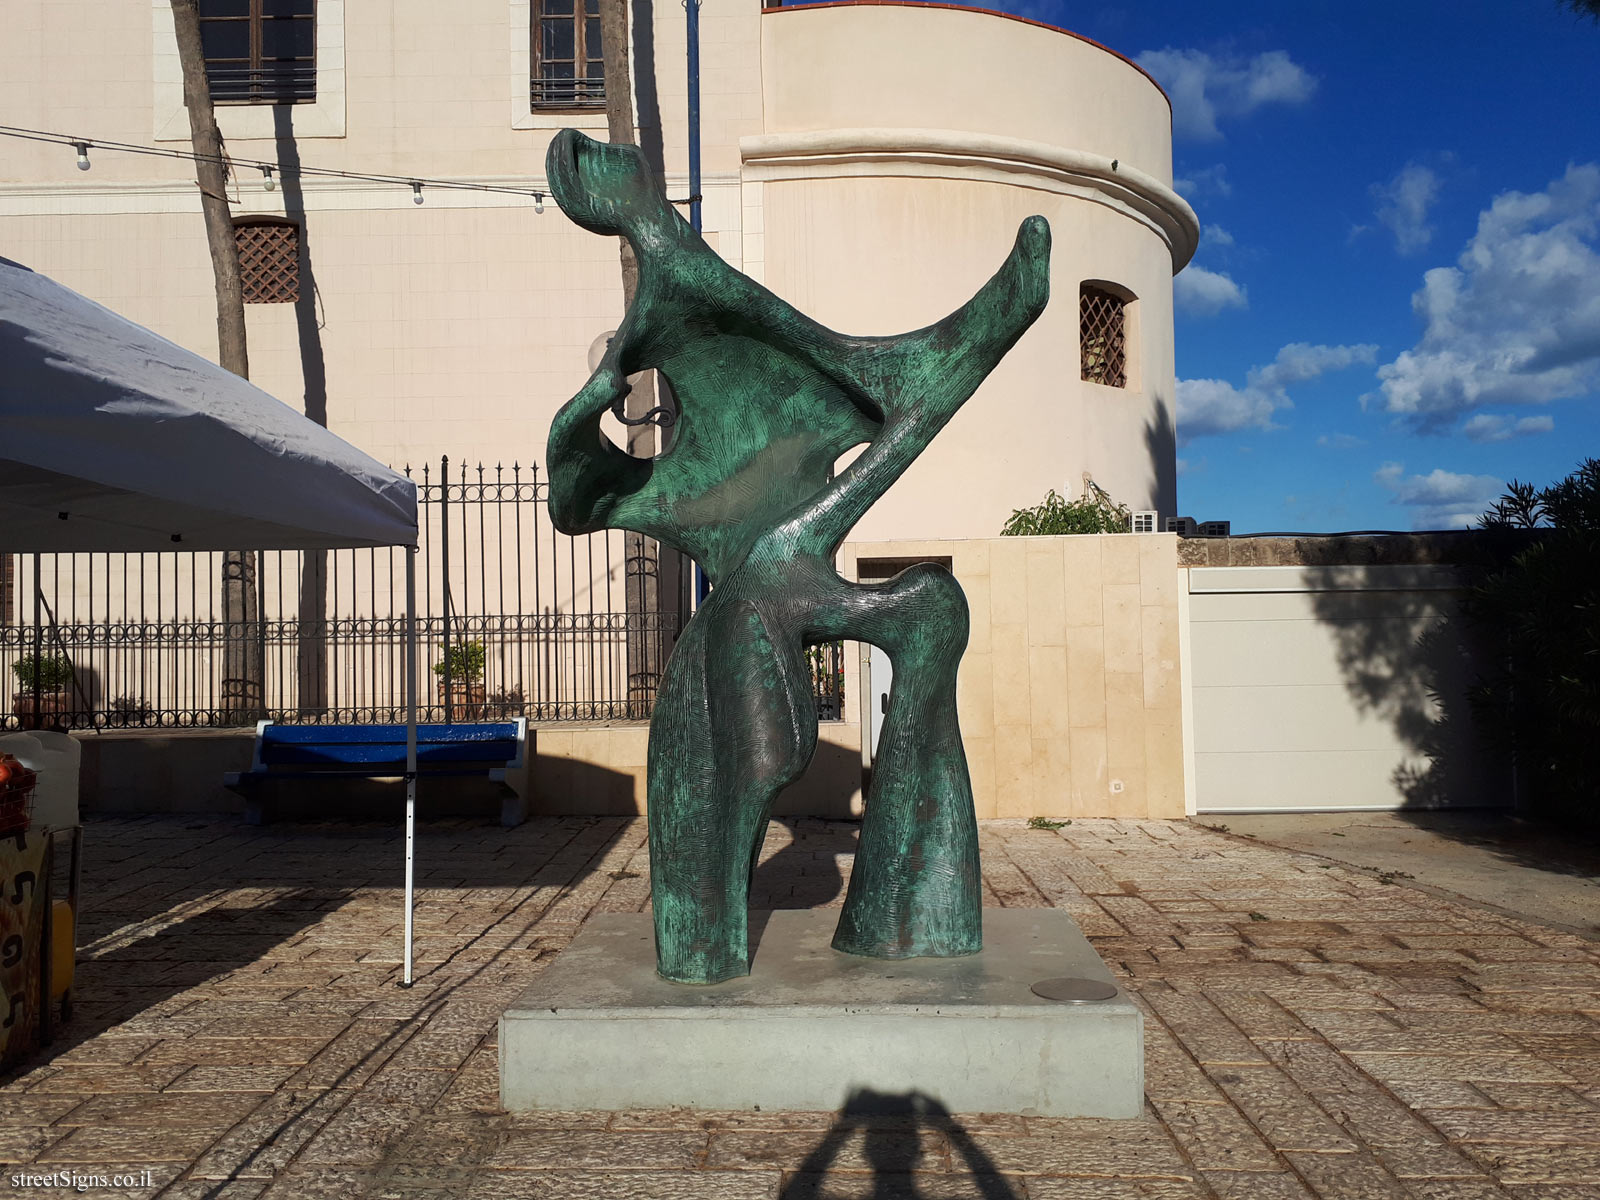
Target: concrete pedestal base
<point>599,1029</point>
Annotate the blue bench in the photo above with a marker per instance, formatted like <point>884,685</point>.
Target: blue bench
<point>495,750</point>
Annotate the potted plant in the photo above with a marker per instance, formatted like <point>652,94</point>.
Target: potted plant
<point>42,681</point>
<point>130,712</point>
<point>464,701</point>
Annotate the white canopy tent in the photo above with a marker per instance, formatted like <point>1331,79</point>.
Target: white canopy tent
<point>114,439</point>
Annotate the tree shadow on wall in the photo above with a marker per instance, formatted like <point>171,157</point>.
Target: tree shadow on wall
<point>642,27</point>
<point>1412,668</point>
<point>311,667</point>
<point>895,1126</point>
<point>1408,658</point>
<point>1161,443</point>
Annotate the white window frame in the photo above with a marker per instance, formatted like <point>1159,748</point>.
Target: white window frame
<point>523,115</point>
<point>323,117</point>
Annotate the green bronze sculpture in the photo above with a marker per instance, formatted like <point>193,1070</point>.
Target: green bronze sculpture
<point>767,401</point>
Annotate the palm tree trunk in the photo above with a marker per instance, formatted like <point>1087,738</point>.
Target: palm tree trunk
<point>242,669</point>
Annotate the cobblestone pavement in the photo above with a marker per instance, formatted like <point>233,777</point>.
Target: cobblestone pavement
<point>1312,1030</point>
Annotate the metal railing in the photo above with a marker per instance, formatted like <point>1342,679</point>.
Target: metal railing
<point>276,83</point>
<point>567,93</point>
<point>513,617</point>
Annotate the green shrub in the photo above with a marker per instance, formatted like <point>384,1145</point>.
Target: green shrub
<point>465,660</point>
<point>1095,513</point>
<point>42,672</point>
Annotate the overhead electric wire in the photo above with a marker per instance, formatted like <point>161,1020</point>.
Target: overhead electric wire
<point>268,168</point>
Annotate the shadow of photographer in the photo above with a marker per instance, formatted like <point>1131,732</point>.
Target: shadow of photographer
<point>892,1124</point>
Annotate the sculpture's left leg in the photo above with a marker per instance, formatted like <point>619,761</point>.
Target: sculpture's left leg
<point>916,888</point>
<point>735,721</point>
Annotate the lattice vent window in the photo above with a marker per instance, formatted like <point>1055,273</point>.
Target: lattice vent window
<point>269,260</point>
<point>1102,337</point>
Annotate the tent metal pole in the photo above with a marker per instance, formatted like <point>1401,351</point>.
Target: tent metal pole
<point>411,751</point>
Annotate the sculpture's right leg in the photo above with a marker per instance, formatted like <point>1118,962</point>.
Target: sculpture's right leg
<point>916,889</point>
<point>733,724</point>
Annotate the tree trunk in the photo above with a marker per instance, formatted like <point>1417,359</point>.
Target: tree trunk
<point>646,651</point>
<point>619,111</point>
<point>242,668</point>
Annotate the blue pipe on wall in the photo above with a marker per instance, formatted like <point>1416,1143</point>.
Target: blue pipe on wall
<point>692,7</point>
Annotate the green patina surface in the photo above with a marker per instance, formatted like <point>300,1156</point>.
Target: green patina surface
<point>768,400</point>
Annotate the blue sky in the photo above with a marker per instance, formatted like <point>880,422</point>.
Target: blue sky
<point>1395,307</point>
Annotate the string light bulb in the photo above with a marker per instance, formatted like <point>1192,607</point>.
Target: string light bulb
<point>268,170</point>
<point>538,202</point>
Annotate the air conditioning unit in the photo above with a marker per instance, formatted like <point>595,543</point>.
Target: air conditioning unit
<point>1147,521</point>
<point>1216,528</point>
<point>1182,526</point>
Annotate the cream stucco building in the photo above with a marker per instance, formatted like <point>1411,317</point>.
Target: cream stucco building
<point>868,162</point>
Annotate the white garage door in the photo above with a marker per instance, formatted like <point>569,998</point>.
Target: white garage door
<point>1327,688</point>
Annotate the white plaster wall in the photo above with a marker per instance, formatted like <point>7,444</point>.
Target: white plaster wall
<point>885,255</point>
<point>458,326</point>
<point>1327,688</point>
<point>895,167</point>
<point>928,66</point>
<point>461,325</point>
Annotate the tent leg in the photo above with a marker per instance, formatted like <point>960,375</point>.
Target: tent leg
<point>411,751</point>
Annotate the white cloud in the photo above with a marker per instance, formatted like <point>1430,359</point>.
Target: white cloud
<point>1403,204</point>
<point>1491,427</point>
<point>1212,406</point>
<point>1298,362</point>
<point>1204,293</point>
<point>1440,499</point>
<point>1207,406</point>
<point>1216,235</point>
<point>1340,441</point>
<point>1204,88</point>
<point>1517,320</point>
<point>1207,180</point>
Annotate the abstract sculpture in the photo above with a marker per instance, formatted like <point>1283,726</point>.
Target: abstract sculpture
<point>768,400</point>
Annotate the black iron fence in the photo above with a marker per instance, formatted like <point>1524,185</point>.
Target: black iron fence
<point>513,618</point>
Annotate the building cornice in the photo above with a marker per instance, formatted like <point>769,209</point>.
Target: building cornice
<point>955,154</point>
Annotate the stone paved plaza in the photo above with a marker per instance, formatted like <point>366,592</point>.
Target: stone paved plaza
<point>1312,1030</point>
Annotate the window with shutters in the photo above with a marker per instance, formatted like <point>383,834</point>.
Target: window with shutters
<point>568,70</point>
<point>269,259</point>
<point>260,51</point>
<point>1102,336</point>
